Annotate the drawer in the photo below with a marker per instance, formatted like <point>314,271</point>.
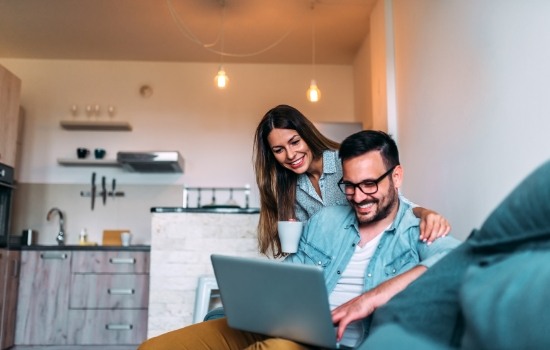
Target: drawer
<point>109,291</point>
<point>103,327</point>
<point>110,262</point>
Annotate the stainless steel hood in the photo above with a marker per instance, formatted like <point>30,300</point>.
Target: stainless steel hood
<point>151,161</point>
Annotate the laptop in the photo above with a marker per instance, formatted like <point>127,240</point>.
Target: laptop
<point>277,299</point>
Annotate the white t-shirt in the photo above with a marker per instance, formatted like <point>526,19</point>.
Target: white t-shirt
<point>350,285</point>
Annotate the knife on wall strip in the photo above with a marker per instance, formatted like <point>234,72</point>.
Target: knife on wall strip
<point>104,190</point>
<point>93,190</point>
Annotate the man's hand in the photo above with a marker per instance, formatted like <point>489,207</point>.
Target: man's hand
<point>432,224</point>
<point>365,304</point>
<point>355,309</point>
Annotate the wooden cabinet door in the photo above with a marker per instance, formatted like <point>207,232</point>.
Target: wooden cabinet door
<point>3,273</point>
<point>43,298</point>
<point>10,90</point>
<point>10,299</point>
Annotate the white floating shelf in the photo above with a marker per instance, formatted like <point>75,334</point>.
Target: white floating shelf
<point>96,125</point>
<point>87,162</point>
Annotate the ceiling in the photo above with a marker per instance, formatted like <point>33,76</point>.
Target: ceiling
<point>254,31</point>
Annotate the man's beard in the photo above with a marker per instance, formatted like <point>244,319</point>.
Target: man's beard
<point>384,209</point>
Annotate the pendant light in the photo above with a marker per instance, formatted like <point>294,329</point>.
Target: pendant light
<point>221,79</point>
<point>313,93</point>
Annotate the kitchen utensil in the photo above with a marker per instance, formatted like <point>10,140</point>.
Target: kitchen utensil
<point>113,187</point>
<point>93,190</point>
<point>113,237</point>
<point>29,237</point>
<point>232,202</point>
<point>104,190</point>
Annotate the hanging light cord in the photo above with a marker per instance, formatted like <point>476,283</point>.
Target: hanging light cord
<point>313,36</point>
<point>184,29</point>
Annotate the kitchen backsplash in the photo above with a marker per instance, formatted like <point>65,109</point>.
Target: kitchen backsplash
<point>32,202</point>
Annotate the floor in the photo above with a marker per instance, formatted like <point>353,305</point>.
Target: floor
<point>74,347</point>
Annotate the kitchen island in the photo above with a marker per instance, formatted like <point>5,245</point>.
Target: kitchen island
<point>182,240</point>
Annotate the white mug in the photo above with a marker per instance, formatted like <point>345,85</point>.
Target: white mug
<point>289,235</point>
<point>126,238</point>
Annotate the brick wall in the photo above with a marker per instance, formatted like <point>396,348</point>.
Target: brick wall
<point>181,245</point>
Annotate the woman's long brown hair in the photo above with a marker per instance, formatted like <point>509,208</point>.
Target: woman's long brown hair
<point>277,185</point>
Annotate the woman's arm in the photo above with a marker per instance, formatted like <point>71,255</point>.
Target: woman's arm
<point>432,224</point>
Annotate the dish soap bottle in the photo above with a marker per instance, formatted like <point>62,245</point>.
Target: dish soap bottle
<point>83,237</point>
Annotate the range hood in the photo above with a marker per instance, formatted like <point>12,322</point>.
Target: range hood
<point>151,161</point>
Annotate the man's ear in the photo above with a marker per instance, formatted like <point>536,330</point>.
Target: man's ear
<point>397,176</point>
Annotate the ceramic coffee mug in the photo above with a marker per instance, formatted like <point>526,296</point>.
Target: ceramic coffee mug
<point>82,152</point>
<point>289,234</point>
<point>99,153</point>
<point>126,238</point>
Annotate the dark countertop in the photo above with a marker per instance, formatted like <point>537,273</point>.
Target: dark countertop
<point>211,210</point>
<point>132,248</point>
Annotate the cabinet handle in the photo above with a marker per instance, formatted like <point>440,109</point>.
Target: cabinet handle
<point>118,327</point>
<point>15,268</point>
<point>120,291</point>
<point>50,255</point>
<point>122,260</point>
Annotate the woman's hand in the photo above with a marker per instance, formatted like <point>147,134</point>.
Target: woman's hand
<point>432,224</point>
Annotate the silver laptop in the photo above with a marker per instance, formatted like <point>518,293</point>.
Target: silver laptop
<point>277,299</point>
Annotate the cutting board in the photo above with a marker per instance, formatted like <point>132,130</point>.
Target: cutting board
<point>112,237</point>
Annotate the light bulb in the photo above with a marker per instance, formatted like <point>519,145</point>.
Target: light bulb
<point>313,93</point>
<point>221,79</point>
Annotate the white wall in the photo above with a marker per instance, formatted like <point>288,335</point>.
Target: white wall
<point>212,129</point>
<point>473,108</point>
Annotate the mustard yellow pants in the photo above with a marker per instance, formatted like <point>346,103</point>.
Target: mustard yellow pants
<point>216,335</point>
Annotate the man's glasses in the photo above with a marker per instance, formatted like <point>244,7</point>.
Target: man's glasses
<point>367,187</point>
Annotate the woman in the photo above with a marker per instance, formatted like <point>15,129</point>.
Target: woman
<point>297,170</point>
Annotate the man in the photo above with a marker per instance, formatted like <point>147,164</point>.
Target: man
<point>369,251</point>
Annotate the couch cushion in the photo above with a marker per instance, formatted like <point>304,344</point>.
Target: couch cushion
<point>505,305</point>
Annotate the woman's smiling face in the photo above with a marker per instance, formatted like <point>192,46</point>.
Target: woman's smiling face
<point>290,150</point>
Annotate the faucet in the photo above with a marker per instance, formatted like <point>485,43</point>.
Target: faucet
<point>61,234</point>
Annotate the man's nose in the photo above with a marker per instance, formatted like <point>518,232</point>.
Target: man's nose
<point>358,196</point>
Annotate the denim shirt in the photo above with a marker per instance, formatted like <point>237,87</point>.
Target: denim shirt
<point>308,202</point>
<point>330,236</point>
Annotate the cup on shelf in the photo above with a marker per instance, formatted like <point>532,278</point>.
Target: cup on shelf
<point>99,153</point>
<point>82,152</point>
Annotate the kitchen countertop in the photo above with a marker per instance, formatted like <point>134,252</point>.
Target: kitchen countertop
<point>212,210</point>
<point>134,248</point>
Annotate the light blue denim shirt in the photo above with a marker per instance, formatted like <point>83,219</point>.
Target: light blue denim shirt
<point>330,237</point>
<point>308,201</point>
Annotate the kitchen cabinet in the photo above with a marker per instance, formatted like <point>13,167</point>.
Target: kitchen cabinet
<point>83,297</point>
<point>109,297</point>
<point>43,298</point>
<point>10,94</point>
<point>9,278</point>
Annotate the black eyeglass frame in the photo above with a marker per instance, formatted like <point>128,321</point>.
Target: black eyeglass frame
<point>342,185</point>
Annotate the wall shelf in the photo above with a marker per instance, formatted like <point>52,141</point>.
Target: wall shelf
<point>96,125</point>
<point>87,162</point>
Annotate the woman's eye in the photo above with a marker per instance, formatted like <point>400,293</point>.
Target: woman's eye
<point>295,142</point>
<point>277,150</point>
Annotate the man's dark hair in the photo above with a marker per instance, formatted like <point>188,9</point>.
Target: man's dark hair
<point>370,140</point>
